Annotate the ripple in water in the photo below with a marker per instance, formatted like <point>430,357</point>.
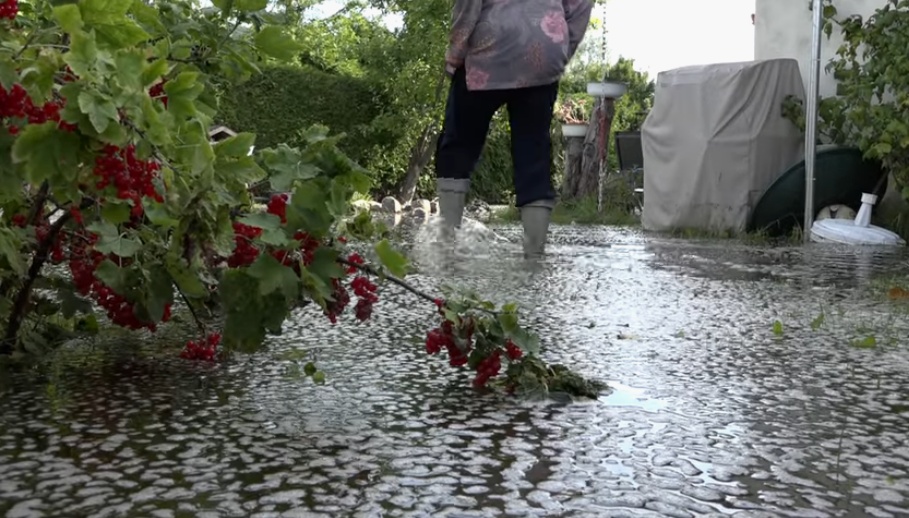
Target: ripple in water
<point>713,415</point>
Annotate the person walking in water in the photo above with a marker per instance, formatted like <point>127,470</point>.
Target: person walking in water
<point>511,53</point>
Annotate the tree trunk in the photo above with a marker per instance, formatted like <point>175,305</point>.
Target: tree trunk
<point>581,180</point>
<point>574,148</point>
<point>605,119</point>
<point>582,170</point>
<point>420,155</point>
<point>422,150</point>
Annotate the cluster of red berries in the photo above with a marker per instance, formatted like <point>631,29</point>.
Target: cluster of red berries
<point>42,232</point>
<point>444,337</point>
<point>132,177</point>
<point>9,9</point>
<point>245,252</point>
<point>277,205</point>
<point>205,349</point>
<point>340,300</point>
<point>513,352</point>
<point>354,260</point>
<point>157,92</point>
<point>488,368</point>
<point>365,290</point>
<point>16,104</point>
<point>83,262</point>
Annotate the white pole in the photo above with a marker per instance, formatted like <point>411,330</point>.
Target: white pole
<point>814,78</point>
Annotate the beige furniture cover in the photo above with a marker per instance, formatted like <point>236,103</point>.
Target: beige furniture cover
<point>714,142</point>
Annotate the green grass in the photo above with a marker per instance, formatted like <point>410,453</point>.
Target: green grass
<point>750,238</point>
<point>583,212</point>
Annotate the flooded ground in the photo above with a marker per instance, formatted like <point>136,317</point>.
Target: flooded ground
<point>716,410</point>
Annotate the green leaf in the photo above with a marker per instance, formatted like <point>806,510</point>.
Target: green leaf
<point>243,170</point>
<point>182,92</point>
<point>248,318</point>
<point>8,74</point>
<point>275,237</point>
<point>882,149</point>
<point>153,72</point>
<point>307,210</point>
<point>185,277</point>
<point>274,276</point>
<point>83,53</point>
<point>250,5</point>
<point>159,291</point>
<point>69,17</point>
<point>287,166</point>
<point>318,377</point>
<point>110,23</point>
<point>509,322</point>
<point>325,264</point>
<point>869,342</point>
<point>273,41</point>
<point>309,369</point>
<point>338,200</point>
<point>196,154</point>
<point>100,110</point>
<point>817,322</point>
<point>9,249</point>
<point>49,154</point>
<point>391,259</point>
<point>113,276</point>
<point>526,341</point>
<point>72,304</point>
<point>104,11</point>
<point>224,5</point>
<point>262,220</point>
<point>147,16</point>
<point>130,66</point>
<point>112,242</point>
<point>777,328</point>
<point>237,146</point>
<point>116,212</point>
<point>158,215</point>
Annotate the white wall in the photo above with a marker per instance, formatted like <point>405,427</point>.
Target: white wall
<point>782,29</point>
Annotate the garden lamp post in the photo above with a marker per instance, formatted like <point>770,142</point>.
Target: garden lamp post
<point>814,77</point>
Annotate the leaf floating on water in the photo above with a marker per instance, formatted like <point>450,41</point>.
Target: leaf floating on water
<point>869,342</point>
<point>818,322</point>
<point>777,328</point>
<point>898,293</point>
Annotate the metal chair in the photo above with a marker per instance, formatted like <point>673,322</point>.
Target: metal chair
<point>630,155</point>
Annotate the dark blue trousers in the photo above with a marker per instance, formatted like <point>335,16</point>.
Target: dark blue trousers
<point>467,117</point>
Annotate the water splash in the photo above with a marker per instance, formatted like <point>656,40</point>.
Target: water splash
<point>471,248</point>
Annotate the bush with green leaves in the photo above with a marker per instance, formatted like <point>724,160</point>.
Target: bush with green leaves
<point>871,109</point>
<point>115,202</point>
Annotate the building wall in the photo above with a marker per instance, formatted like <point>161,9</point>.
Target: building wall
<point>782,29</point>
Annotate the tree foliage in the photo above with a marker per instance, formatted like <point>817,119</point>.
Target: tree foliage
<point>871,108</point>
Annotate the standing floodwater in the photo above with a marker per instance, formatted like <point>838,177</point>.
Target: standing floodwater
<point>740,389</point>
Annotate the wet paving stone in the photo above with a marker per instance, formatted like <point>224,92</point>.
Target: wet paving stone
<point>712,413</point>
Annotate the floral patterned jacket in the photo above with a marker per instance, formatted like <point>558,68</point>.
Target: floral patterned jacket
<point>515,43</point>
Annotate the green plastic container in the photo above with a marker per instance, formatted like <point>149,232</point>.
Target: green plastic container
<point>841,176</point>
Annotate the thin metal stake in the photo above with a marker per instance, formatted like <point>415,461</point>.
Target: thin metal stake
<point>814,78</point>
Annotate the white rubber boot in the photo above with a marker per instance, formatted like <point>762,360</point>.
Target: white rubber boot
<point>535,217</point>
<point>452,199</point>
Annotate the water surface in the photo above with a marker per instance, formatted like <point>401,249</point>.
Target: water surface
<point>712,413</point>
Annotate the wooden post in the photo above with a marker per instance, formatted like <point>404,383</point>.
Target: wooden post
<point>574,148</point>
<point>606,128</point>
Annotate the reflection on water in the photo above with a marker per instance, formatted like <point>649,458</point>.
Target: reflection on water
<point>712,414</point>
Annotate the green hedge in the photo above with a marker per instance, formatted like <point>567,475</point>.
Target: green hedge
<point>283,100</point>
